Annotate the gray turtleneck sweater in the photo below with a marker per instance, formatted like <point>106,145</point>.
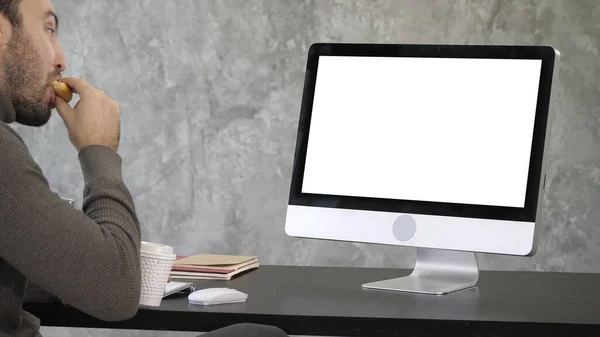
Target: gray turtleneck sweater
<point>88,258</point>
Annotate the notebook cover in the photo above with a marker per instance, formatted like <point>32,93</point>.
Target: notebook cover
<point>214,260</point>
<point>181,275</point>
<point>208,269</point>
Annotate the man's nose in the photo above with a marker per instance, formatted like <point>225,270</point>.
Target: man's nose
<point>60,62</point>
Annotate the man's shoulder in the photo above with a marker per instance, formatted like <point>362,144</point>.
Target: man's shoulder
<point>14,154</point>
<point>8,135</point>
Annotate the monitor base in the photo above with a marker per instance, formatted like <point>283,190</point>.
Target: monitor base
<point>437,272</point>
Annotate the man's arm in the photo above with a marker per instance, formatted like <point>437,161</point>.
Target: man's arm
<point>89,259</point>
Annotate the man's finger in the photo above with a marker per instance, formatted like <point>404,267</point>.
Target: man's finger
<point>77,85</point>
<point>63,108</point>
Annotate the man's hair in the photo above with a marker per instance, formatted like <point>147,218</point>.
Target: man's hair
<point>10,8</point>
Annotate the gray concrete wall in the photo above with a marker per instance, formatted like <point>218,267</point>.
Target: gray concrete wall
<point>210,94</point>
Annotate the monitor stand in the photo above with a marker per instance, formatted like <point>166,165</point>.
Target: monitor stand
<point>436,272</point>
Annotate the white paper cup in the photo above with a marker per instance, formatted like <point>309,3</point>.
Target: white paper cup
<point>157,260</point>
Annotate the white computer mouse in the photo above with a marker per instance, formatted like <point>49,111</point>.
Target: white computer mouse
<point>210,296</point>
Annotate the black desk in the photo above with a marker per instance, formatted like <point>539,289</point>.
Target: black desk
<point>330,301</point>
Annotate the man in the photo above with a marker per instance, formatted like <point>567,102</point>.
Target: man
<point>89,259</point>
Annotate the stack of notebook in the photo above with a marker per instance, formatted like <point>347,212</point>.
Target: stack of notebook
<point>211,266</point>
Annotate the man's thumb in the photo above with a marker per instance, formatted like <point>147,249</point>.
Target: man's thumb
<point>63,108</point>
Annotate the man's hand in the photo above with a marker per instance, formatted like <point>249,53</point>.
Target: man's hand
<point>95,120</point>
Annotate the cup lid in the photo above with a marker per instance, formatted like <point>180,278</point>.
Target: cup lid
<point>156,248</point>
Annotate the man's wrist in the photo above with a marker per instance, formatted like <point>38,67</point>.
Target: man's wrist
<point>100,161</point>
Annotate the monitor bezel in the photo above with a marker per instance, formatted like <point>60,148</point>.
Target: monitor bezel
<point>528,213</point>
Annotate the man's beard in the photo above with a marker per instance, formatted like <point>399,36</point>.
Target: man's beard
<point>23,81</point>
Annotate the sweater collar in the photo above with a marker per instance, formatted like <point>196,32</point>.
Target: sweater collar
<point>7,110</point>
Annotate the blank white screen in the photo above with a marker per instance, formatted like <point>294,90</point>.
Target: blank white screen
<point>430,129</point>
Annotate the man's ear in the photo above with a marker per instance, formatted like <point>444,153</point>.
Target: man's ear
<point>6,29</point>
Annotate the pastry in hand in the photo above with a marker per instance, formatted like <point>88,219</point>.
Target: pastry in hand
<point>62,90</point>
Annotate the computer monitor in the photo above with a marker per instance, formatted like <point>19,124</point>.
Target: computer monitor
<point>438,147</point>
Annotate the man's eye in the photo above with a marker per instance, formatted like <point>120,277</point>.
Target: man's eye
<point>50,30</point>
